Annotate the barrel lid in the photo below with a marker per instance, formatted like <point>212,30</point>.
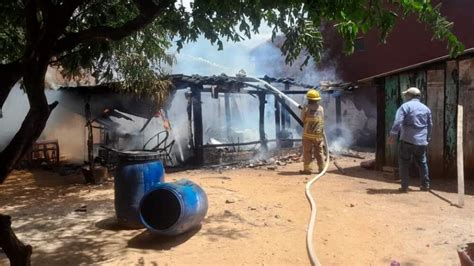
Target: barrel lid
<point>138,155</point>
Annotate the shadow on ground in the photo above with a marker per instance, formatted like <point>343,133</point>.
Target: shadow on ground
<point>111,224</point>
<point>148,240</point>
<point>292,173</point>
<point>437,184</point>
<point>56,216</point>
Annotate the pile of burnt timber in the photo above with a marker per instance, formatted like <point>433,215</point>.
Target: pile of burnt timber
<point>252,159</point>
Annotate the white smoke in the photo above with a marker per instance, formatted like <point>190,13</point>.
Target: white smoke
<point>63,125</point>
<point>257,56</point>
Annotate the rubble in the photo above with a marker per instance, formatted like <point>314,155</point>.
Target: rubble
<point>270,163</point>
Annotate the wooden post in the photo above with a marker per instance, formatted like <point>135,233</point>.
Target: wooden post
<point>227,113</point>
<point>90,141</point>
<point>197,122</point>
<point>277,119</point>
<point>380,148</point>
<point>338,115</point>
<point>287,115</point>
<point>282,118</point>
<point>261,120</point>
<point>460,156</point>
<point>189,111</point>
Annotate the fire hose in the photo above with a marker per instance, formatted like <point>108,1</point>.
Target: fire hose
<point>309,234</point>
<point>312,202</point>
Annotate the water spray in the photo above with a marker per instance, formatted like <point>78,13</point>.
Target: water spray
<point>309,235</point>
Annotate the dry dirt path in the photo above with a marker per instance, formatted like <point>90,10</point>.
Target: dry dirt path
<point>361,221</point>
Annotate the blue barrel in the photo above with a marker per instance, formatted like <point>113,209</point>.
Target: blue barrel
<point>173,208</point>
<point>136,174</point>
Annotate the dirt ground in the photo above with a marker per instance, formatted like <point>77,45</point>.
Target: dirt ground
<point>256,216</point>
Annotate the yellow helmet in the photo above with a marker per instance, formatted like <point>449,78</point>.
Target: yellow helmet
<point>313,95</point>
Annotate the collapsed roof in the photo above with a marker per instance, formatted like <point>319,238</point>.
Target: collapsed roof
<point>109,97</point>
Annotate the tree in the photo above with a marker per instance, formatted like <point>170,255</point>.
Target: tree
<point>127,39</point>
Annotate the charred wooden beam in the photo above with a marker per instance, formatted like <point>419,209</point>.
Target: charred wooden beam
<point>90,142</point>
<point>227,113</point>
<point>197,123</point>
<point>277,118</point>
<point>286,115</point>
<point>189,110</point>
<point>338,115</point>
<point>261,120</point>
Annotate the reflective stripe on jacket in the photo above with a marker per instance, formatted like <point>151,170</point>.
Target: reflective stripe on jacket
<point>313,121</point>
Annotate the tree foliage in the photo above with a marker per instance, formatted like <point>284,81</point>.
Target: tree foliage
<point>128,40</point>
<point>87,44</point>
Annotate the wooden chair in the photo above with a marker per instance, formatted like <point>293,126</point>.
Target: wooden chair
<point>161,138</point>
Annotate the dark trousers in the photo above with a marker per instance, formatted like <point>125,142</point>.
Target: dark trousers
<point>406,154</point>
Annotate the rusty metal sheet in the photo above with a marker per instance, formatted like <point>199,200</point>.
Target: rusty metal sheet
<point>391,105</point>
<point>466,98</point>
<point>450,110</point>
<point>435,101</point>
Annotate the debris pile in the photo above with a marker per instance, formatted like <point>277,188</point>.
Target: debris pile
<point>271,163</point>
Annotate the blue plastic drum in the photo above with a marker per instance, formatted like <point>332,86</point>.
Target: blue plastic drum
<point>173,208</point>
<point>136,174</point>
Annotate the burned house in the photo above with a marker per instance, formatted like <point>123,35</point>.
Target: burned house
<point>207,119</point>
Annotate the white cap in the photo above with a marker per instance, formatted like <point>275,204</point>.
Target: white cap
<point>413,91</point>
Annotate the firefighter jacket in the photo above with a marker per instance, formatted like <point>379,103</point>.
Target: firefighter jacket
<point>313,122</point>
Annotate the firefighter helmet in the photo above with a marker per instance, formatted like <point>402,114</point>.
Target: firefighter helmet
<point>313,95</point>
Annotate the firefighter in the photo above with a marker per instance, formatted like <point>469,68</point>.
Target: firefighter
<point>313,126</point>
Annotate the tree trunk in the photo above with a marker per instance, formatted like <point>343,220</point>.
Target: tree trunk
<point>9,76</point>
<point>34,122</point>
<point>18,253</point>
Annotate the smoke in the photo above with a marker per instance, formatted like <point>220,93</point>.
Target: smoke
<point>257,57</point>
<point>63,125</point>
<point>14,111</point>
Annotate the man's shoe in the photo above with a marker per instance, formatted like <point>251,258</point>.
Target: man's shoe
<point>425,188</point>
<point>403,190</point>
<point>305,172</point>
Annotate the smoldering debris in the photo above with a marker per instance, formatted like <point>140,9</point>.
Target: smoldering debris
<point>275,159</point>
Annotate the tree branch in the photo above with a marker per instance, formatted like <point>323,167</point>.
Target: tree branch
<point>148,12</point>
